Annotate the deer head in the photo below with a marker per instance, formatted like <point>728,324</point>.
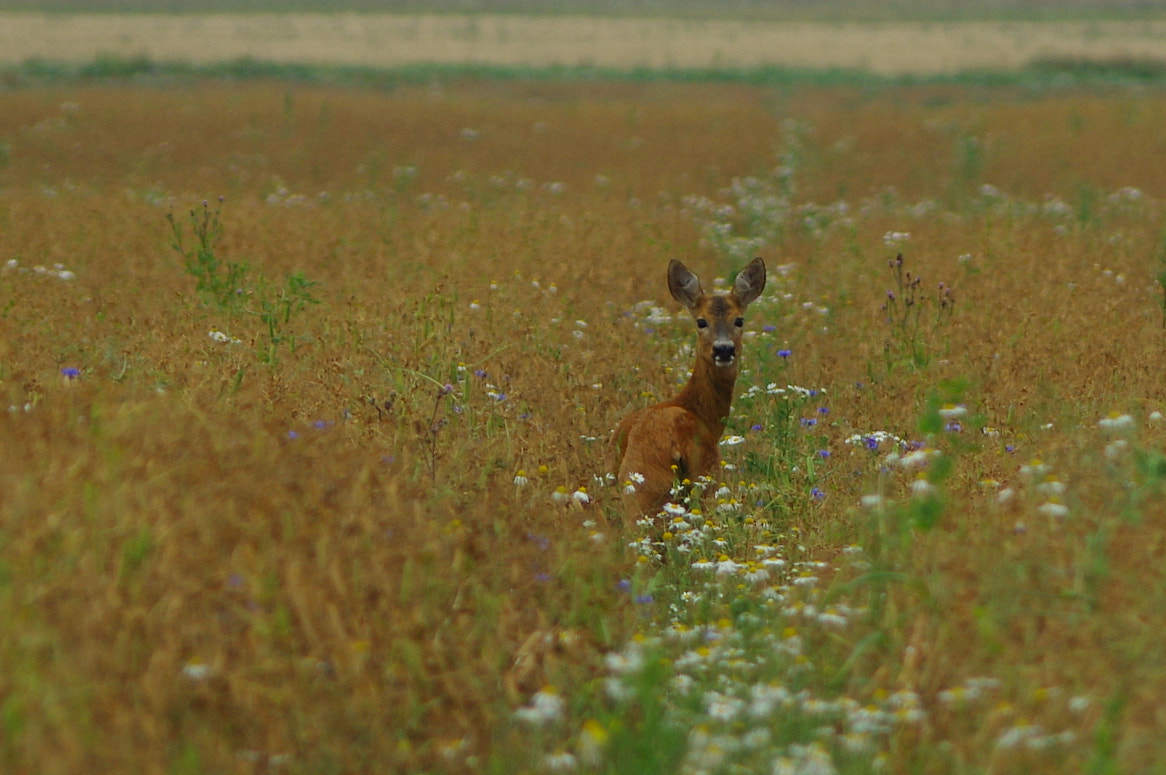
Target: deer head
<point>719,317</point>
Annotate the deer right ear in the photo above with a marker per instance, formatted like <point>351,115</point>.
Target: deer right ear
<point>683,284</point>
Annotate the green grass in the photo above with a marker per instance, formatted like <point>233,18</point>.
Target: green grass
<point>1042,76</point>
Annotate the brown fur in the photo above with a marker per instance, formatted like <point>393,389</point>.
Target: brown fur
<point>678,439</point>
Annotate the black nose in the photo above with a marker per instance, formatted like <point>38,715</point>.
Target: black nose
<point>723,352</point>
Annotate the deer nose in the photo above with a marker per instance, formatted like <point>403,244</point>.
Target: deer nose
<point>723,353</point>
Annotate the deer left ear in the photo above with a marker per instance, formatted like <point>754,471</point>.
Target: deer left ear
<point>750,282</point>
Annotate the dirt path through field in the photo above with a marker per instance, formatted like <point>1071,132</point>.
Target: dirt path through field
<point>388,40</point>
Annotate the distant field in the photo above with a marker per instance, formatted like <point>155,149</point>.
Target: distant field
<point>396,40</point>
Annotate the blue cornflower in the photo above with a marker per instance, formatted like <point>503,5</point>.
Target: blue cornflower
<point>70,372</point>
<point>642,599</point>
<point>817,494</point>
<point>625,585</point>
<point>871,442</point>
<point>823,410</point>
<point>809,422</point>
<point>756,427</point>
<point>784,353</point>
<point>480,373</point>
<point>823,453</point>
<point>769,328</point>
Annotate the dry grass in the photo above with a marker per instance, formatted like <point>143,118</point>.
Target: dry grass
<point>301,552</point>
<point>384,40</point>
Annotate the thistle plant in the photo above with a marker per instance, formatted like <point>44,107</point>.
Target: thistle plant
<point>232,288</point>
<point>912,326</point>
<point>218,282</point>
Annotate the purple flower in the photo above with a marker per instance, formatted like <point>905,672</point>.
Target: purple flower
<point>756,427</point>
<point>1009,448</point>
<point>823,410</point>
<point>809,422</point>
<point>784,353</point>
<point>293,435</point>
<point>769,328</point>
<point>625,585</point>
<point>953,426</point>
<point>871,442</point>
<point>446,389</point>
<point>642,599</point>
<point>480,373</point>
<point>71,373</point>
<point>823,453</point>
<point>817,494</point>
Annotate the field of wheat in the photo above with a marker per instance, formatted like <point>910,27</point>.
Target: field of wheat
<point>306,391</point>
<point>393,40</point>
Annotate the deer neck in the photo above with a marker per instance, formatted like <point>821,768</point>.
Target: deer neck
<point>709,392</point>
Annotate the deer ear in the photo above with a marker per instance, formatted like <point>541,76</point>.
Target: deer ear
<point>683,284</point>
<point>750,282</point>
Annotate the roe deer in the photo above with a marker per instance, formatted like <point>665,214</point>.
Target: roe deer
<point>678,439</point>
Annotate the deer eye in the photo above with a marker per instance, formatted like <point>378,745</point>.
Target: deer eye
<point>739,322</point>
<point>702,323</point>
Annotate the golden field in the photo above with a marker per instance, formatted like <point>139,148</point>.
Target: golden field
<point>393,40</point>
<point>278,472</point>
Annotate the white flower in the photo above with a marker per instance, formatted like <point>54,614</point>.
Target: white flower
<point>1054,510</point>
<point>1116,423</point>
<point>563,761</point>
<point>952,411</point>
<point>732,441</point>
<point>921,488</point>
<point>628,661</point>
<point>520,479</point>
<point>546,707</point>
<point>918,458</point>
<point>196,671</point>
<point>1051,487</point>
<point>723,708</point>
<point>726,566</point>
